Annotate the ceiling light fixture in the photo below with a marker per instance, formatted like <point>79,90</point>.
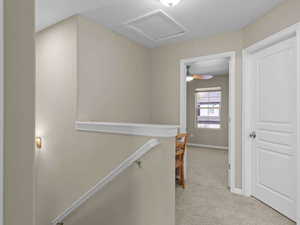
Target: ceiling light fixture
<point>170,3</point>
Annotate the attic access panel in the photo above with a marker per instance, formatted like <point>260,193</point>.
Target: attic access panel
<point>157,26</point>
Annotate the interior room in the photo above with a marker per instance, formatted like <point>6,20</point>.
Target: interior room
<point>149,112</point>
<point>207,148</point>
<point>207,103</point>
<point>208,111</point>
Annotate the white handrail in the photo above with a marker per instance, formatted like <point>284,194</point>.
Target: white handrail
<point>114,173</point>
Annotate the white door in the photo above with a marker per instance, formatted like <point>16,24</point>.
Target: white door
<point>274,127</point>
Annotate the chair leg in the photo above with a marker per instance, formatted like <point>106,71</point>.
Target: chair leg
<point>177,173</point>
<point>182,177</point>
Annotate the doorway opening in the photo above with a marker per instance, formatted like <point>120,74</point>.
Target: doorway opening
<point>207,106</point>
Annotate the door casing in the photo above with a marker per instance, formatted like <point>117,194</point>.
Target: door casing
<point>231,56</point>
<point>1,113</point>
<point>292,31</point>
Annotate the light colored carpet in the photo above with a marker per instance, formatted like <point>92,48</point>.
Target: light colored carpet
<point>207,201</point>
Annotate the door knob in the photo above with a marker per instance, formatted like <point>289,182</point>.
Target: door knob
<point>252,135</point>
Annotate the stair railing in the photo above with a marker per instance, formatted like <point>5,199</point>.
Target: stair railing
<point>134,158</point>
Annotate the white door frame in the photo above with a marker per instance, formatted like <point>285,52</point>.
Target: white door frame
<point>231,56</point>
<point>1,113</point>
<point>292,31</point>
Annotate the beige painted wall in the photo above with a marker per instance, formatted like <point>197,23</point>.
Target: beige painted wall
<point>19,76</point>
<point>70,161</point>
<point>282,16</point>
<point>165,65</point>
<point>215,137</point>
<point>114,76</point>
<point>166,76</point>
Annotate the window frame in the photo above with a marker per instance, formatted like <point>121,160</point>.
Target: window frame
<point>211,89</point>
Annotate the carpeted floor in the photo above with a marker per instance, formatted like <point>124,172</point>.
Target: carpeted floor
<point>207,201</point>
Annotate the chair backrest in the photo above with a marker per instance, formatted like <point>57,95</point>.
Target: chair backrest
<point>181,141</point>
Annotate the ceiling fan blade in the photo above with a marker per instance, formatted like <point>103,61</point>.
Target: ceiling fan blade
<point>202,77</point>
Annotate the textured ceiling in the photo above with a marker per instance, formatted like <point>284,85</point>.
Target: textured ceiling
<point>200,18</point>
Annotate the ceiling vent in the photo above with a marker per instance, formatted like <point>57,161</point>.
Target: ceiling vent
<point>156,26</point>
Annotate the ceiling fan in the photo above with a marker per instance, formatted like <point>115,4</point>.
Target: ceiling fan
<point>195,76</point>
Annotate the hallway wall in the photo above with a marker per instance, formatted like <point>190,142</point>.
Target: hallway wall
<point>166,78</point>
<point>282,16</point>
<point>19,116</point>
<point>70,161</point>
<point>113,76</point>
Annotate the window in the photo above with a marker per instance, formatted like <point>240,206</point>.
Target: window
<point>208,107</point>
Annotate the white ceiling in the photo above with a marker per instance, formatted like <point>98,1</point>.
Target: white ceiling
<point>214,67</point>
<point>199,18</point>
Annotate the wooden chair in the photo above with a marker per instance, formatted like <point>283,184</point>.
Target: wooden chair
<point>181,140</point>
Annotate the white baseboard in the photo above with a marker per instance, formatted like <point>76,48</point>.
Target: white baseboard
<point>237,191</point>
<point>208,146</point>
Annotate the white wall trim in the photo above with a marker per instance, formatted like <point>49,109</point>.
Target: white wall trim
<point>232,105</point>
<point>246,128</point>
<point>273,39</point>
<point>208,146</point>
<point>292,31</point>
<point>237,191</point>
<point>1,113</point>
<point>151,130</point>
<point>298,123</point>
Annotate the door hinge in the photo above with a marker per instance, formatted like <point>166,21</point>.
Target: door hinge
<point>229,166</point>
